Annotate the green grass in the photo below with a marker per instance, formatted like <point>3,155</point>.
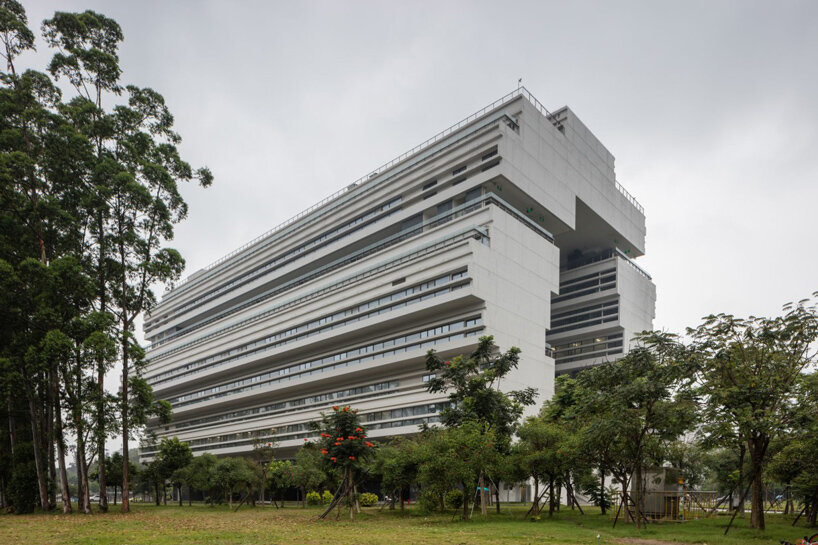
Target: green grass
<point>173,525</point>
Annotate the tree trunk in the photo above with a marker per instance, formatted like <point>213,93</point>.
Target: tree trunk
<point>126,476</point>
<point>535,503</point>
<point>50,435</point>
<point>637,499</point>
<point>231,498</point>
<point>156,497</point>
<point>115,489</point>
<point>12,426</point>
<point>756,452</point>
<point>65,493</point>
<point>602,489</point>
<point>497,498</point>
<point>80,489</point>
<point>483,496</point>
<point>103,483</point>
<point>84,495</point>
<point>466,496</point>
<point>401,499</point>
<point>813,512</point>
<point>742,451</point>
<point>38,448</point>
<point>82,466</point>
<point>100,402</point>
<point>550,496</point>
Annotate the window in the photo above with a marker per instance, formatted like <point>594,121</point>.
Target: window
<point>411,222</point>
<point>444,206</point>
<point>429,184</point>
<point>474,193</point>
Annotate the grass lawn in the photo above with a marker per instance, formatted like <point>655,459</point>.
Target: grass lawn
<point>173,525</point>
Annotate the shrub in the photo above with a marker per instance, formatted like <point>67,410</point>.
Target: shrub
<point>326,497</point>
<point>313,498</point>
<point>454,499</point>
<point>429,501</point>
<point>368,499</point>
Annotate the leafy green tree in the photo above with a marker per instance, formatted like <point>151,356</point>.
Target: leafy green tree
<point>473,385</point>
<point>345,449</point>
<point>263,454</point>
<point>542,453</point>
<point>199,475</point>
<point>308,473</point>
<point>636,404</point>
<point>280,477</point>
<point>751,373</point>
<point>795,462</point>
<point>39,197</point>
<point>453,457</point>
<point>113,470</point>
<point>232,475</point>
<point>173,456</point>
<point>397,466</point>
<point>135,195</point>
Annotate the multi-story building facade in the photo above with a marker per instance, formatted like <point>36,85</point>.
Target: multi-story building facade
<point>509,223</point>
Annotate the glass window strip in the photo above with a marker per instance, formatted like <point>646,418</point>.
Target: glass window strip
<point>297,371</point>
<point>318,326</point>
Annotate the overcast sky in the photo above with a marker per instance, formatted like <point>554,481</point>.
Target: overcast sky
<point>710,108</point>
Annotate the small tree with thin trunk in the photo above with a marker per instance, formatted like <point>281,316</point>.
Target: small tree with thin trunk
<point>473,385</point>
<point>345,449</point>
<point>308,473</point>
<point>751,374</point>
<point>634,404</point>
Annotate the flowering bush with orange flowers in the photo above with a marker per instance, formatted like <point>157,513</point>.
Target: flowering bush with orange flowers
<point>343,439</point>
<point>344,449</point>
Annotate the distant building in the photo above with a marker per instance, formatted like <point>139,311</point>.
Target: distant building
<point>509,223</point>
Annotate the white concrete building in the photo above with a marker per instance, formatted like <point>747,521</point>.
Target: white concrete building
<point>509,223</point>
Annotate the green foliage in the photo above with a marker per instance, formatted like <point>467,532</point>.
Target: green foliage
<point>199,475</point>
<point>22,487</point>
<point>368,499</point>
<point>230,475</point>
<point>314,498</point>
<point>751,373</point>
<point>454,499</point>
<point>173,455</point>
<point>308,473</point>
<point>455,457</point>
<point>591,486</point>
<point>473,385</point>
<point>429,501</point>
<point>397,464</point>
<point>326,497</point>
<point>628,411</point>
<point>280,476</point>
